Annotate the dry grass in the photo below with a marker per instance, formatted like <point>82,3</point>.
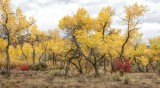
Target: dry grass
<point>32,79</point>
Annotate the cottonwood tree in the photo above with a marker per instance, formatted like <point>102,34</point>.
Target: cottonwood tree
<point>57,47</point>
<point>112,46</point>
<point>92,47</point>
<point>152,54</point>
<point>55,44</point>
<point>80,21</point>
<point>133,16</point>
<point>34,38</point>
<point>103,22</point>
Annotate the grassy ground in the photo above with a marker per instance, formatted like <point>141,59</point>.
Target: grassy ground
<point>49,79</point>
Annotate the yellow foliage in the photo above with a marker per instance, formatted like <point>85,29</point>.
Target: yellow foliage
<point>27,50</point>
<point>3,44</point>
<point>15,53</point>
<point>80,21</point>
<point>104,20</point>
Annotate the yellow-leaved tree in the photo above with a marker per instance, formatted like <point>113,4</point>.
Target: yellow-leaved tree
<point>80,21</point>
<point>132,18</point>
<point>34,37</point>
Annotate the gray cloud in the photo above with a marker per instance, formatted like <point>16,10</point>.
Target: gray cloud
<point>155,1</point>
<point>49,12</point>
<point>65,1</point>
<point>46,3</point>
<point>152,18</point>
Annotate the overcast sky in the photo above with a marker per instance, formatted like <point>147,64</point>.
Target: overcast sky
<point>49,12</point>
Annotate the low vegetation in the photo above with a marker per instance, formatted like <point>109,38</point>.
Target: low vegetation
<point>47,79</point>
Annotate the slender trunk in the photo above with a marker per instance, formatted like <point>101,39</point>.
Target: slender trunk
<point>33,55</point>
<point>24,54</point>
<point>53,59</point>
<point>8,58</point>
<point>128,36</point>
<point>86,67</point>
<point>105,65</point>
<point>103,40</point>
<point>112,66</point>
<point>80,67</point>
<point>103,33</point>
<point>40,57</point>
<point>62,65</point>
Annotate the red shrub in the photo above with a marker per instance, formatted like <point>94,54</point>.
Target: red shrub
<point>127,66</point>
<point>23,68</point>
<point>121,67</point>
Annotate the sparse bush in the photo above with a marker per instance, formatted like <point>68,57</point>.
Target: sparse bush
<point>95,75</point>
<point>116,76</point>
<point>127,79</point>
<point>39,67</point>
<point>55,72</point>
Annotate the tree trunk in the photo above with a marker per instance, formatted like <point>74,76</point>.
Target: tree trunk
<point>33,55</point>
<point>120,58</point>
<point>128,36</point>
<point>103,40</point>
<point>8,60</point>
<point>24,55</point>
<point>112,66</point>
<point>67,68</point>
<point>7,55</point>
<point>96,69</point>
<point>147,68</point>
<point>139,67</point>
<point>80,67</point>
<point>105,65</point>
<point>53,59</point>
<point>21,45</point>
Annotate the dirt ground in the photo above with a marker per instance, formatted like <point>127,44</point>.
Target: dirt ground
<point>31,79</point>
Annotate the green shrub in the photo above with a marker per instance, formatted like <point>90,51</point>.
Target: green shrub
<point>55,72</point>
<point>95,75</point>
<point>39,67</point>
<point>116,76</point>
